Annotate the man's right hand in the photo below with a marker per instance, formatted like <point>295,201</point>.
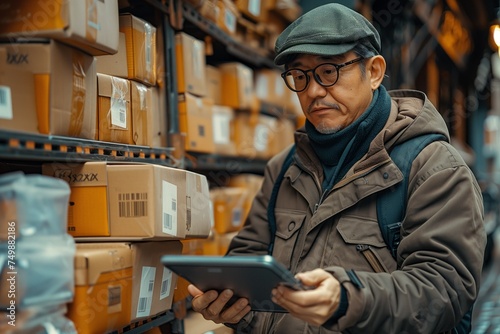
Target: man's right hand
<point>212,305</point>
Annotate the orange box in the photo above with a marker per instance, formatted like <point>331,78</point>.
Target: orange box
<point>195,120</point>
<point>62,86</point>
<point>103,288</point>
<point>91,26</point>
<point>140,39</point>
<point>229,208</point>
<point>191,65</point>
<point>237,85</point>
<point>115,118</point>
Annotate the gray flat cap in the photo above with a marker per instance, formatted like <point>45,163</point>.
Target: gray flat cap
<point>327,30</point>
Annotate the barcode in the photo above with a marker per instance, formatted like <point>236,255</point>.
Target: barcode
<point>122,116</point>
<point>174,205</point>
<point>142,304</point>
<point>164,286</point>
<point>151,284</point>
<point>167,221</point>
<point>133,205</point>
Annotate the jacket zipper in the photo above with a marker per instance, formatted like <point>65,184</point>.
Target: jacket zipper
<point>370,256</point>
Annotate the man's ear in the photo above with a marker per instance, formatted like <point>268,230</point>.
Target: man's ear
<point>376,67</point>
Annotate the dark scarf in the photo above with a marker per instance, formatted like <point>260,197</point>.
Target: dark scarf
<point>339,151</point>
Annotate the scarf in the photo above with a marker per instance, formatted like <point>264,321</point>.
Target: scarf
<point>339,151</point>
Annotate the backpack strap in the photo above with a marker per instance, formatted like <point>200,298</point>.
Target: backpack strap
<point>391,203</point>
<point>274,195</point>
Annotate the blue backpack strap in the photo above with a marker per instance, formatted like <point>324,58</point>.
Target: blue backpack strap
<point>272,200</point>
<point>391,203</point>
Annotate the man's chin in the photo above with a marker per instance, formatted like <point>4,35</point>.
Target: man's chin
<point>327,128</point>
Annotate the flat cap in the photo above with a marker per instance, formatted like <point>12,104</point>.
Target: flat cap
<point>327,30</point>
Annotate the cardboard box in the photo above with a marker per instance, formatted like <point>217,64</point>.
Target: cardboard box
<point>64,85</point>
<point>199,212</point>
<point>113,103</point>
<point>223,130</point>
<point>237,85</point>
<point>227,17</point>
<point>270,87</point>
<point>229,208</point>
<point>140,39</point>
<point>153,284</point>
<point>214,83</point>
<point>103,288</point>
<point>191,63</point>
<point>116,64</point>
<point>253,9</point>
<point>158,121</point>
<point>195,120</point>
<point>91,26</point>
<point>143,201</point>
<point>254,135</point>
<point>142,110</point>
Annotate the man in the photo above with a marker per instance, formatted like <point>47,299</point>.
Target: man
<point>325,211</point>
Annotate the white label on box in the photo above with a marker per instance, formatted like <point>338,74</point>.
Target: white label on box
<point>146,291</point>
<point>254,7</point>
<point>230,21</point>
<point>261,137</point>
<point>5,103</point>
<point>262,87</point>
<point>169,208</point>
<point>119,112</point>
<point>166,283</point>
<point>221,131</point>
<point>236,217</point>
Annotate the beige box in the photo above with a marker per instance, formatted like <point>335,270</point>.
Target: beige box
<point>63,81</point>
<point>103,288</point>
<point>227,16</point>
<point>191,63</point>
<point>223,129</point>
<point>229,208</point>
<point>237,85</point>
<point>254,135</point>
<point>91,26</point>
<point>113,103</point>
<point>143,201</point>
<point>153,284</point>
<point>116,64</point>
<point>140,41</point>
<point>195,120</point>
<point>270,87</point>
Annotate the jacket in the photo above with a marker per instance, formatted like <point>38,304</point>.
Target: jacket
<point>436,276</point>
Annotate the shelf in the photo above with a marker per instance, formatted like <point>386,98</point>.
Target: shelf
<point>145,325</point>
<point>230,165</point>
<point>34,147</point>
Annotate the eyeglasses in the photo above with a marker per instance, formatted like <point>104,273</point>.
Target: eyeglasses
<point>326,75</point>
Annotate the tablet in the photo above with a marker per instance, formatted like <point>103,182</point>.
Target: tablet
<point>252,277</point>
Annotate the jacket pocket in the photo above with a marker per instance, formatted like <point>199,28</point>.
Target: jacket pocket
<point>365,245</point>
<point>288,224</point>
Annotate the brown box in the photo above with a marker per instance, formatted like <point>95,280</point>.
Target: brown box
<point>116,64</point>
<point>115,118</point>
<point>199,213</point>
<point>64,85</point>
<point>140,40</point>
<point>91,26</point>
<point>153,284</point>
<point>143,201</point>
<point>253,9</point>
<point>214,83</point>
<point>103,288</point>
<point>237,85</point>
<point>229,208</point>
<point>195,120</point>
<point>227,17</point>
<point>270,87</point>
<point>158,121</point>
<point>190,57</point>
<point>254,135</point>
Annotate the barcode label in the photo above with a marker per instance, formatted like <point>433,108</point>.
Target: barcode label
<point>166,283</point>
<point>119,113</point>
<point>221,124</point>
<point>133,204</point>
<point>236,217</point>
<point>169,208</point>
<point>5,103</point>
<point>146,291</point>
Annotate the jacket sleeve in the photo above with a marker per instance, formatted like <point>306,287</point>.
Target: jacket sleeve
<point>440,255</point>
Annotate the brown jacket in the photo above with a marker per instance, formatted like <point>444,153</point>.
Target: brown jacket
<point>437,274</point>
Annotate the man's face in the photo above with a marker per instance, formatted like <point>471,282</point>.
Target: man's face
<point>331,109</point>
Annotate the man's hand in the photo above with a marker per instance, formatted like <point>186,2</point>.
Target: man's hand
<point>314,306</point>
<point>212,305</point>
